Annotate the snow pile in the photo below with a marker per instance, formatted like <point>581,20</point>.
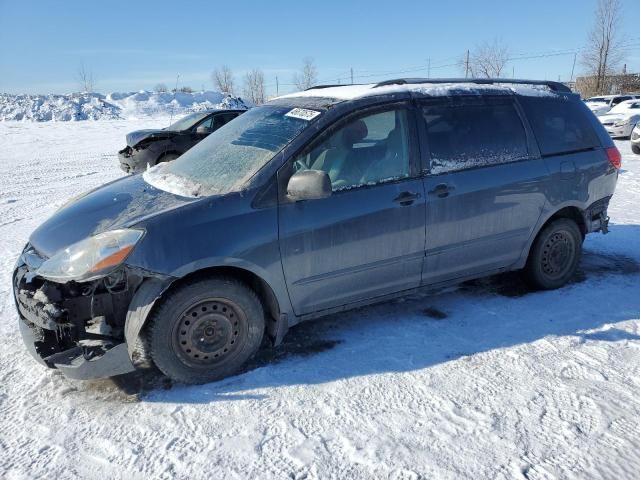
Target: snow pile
<point>95,106</point>
<point>41,108</point>
<point>153,104</point>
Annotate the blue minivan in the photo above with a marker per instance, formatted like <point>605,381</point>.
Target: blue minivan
<point>314,203</point>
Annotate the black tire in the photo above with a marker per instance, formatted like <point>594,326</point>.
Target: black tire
<point>206,330</point>
<point>555,255</point>
<point>635,149</point>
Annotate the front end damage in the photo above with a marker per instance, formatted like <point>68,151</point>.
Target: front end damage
<point>79,328</point>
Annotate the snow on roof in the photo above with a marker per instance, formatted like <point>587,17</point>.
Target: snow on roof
<point>353,92</point>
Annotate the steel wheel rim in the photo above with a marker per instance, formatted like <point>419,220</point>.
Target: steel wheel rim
<point>557,254</point>
<point>208,332</point>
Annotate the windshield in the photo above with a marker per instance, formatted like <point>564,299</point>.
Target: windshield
<point>232,154</point>
<point>187,122</point>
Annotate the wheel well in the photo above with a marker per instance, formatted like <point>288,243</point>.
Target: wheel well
<point>265,294</point>
<point>164,154</point>
<point>572,213</point>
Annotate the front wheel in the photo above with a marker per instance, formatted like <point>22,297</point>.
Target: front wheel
<point>206,330</point>
<point>555,255</point>
<point>635,148</point>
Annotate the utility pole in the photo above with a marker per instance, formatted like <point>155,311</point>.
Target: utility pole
<point>352,76</point>
<point>277,87</point>
<point>466,65</point>
<point>513,71</point>
<point>429,68</point>
<point>575,57</point>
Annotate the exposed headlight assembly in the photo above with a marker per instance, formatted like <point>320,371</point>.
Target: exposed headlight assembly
<point>91,258</point>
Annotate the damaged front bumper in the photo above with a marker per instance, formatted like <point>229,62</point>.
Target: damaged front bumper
<point>136,159</point>
<point>77,328</point>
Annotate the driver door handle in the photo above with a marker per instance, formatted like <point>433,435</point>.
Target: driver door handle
<point>406,198</point>
<point>442,190</point>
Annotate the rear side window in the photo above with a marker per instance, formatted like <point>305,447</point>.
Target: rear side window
<point>559,125</point>
<point>468,135</point>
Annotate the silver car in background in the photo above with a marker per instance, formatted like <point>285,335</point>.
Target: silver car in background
<point>603,104</point>
<point>622,119</point>
<point>635,140</point>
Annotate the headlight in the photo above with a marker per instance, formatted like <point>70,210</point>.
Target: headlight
<point>622,123</point>
<point>91,258</point>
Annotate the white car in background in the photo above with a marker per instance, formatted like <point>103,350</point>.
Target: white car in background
<point>622,118</point>
<point>603,104</point>
<point>635,140</point>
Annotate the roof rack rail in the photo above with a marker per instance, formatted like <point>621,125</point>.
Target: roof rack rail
<point>330,86</point>
<point>555,86</point>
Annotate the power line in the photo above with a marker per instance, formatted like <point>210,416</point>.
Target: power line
<point>631,44</point>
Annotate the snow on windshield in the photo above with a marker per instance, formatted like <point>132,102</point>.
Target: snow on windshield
<point>628,106</point>
<point>231,155</point>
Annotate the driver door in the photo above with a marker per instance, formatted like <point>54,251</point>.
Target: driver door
<point>367,239</point>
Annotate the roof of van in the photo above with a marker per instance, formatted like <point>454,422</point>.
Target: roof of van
<point>433,88</point>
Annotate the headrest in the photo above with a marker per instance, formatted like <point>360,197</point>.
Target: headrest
<point>354,132</point>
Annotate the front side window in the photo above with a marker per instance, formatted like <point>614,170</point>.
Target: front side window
<point>366,151</point>
<point>231,155</point>
<point>206,123</point>
<point>462,136</point>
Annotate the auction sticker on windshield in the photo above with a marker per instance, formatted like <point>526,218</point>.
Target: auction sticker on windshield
<point>302,113</point>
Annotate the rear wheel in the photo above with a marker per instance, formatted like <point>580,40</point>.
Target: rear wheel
<point>555,255</point>
<point>635,149</point>
<point>206,330</point>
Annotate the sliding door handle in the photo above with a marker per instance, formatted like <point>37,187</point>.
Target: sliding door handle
<point>406,198</point>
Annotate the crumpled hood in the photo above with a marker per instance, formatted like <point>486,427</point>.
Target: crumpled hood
<point>118,204</point>
<point>133,138</point>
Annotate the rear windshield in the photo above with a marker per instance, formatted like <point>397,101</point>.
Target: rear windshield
<point>560,125</point>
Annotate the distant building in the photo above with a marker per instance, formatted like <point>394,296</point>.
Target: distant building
<point>615,84</point>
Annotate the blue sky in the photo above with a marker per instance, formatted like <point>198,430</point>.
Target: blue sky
<point>132,45</point>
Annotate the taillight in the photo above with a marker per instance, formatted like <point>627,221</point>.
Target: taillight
<point>615,158</point>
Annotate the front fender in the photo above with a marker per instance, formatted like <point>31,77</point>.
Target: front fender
<point>141,304</point>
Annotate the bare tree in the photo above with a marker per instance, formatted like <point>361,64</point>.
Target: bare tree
<point>223,79</point>
<point>488,60</point>
<point>85,78</point>
<point>254,86</point>
<point>161,88</point>
<point>604,53</point>
<point>185,89</point>
<point>308,76</point>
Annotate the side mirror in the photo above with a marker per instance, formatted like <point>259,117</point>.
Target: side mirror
<point>309,185</point>
<point>203,130</point>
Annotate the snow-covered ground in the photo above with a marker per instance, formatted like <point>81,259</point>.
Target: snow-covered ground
<point>483,381</point>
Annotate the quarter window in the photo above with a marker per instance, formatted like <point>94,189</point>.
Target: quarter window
<point>366,151</point>
<point>462,136</point>
<point>560,125</point>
